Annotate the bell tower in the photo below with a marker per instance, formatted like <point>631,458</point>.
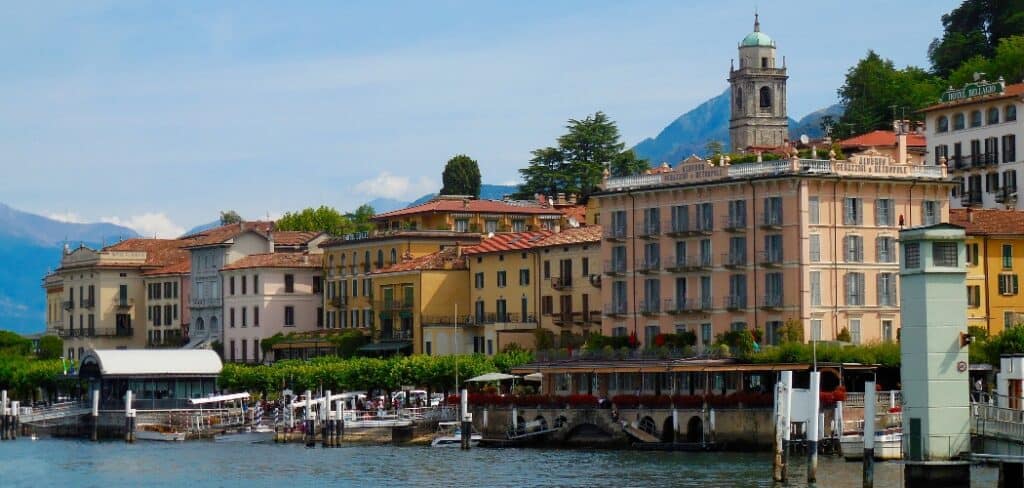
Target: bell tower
<point>758,114</point>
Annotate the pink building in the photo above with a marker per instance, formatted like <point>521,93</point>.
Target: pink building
<point>265,294</point>
<point>711,248</point>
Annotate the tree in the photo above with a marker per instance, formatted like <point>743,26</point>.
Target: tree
<point>50,347</point>
<point>577,165</point>
<point>461,176</point>
<point>229,217</point>
<point>362,218</point>
<point>875,91</point>
<point>713,148</point>
<point>975,28</point>
<point>320,219</point>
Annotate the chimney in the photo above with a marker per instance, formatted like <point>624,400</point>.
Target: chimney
<point>465,203</point>
<point>561,198</point>
<point>901,147</point>
<point>572,199</point>
<point>305,259</point>
<point>970,215</point>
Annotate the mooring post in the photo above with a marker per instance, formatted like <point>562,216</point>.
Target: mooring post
<point>675,424</point>
<point>325,416</point>
<point>4,419</point>
<point>838,433</point>
<point>310,424</point>
<point>869,434</point>
<point>467,424</point>
<point>812,429</point>
<point>781,425</point>
<point>95,417</point>
<point>515,421</point>
<point>15,419</point>
<point>341,421</point>
<point>128,437</point>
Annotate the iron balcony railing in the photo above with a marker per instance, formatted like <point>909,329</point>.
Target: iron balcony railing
<point>650,264</point>
<point>615,309</point>
<point>120,302</point>
<point>771,257</point>
<point>87,303</point>
<point>970,198</point>
<point>735,302</point>
<point>699,262</point>
<point>617,232</point>
<point>615,267</point>
<point>771,219</point>
<point>675,264</point>
<point>646,230</point>
<point>339,302</point>
<point>650,307</point>
<point>734,259</point>
<point>391,305</point>
<point>734,223</point>
<point>68,304</point>
<point>561,282</point>
<point>94,332</point>
<point>206,302</point>
<point>679,227</point>
<point>771,301</point>
<point>395,335</point>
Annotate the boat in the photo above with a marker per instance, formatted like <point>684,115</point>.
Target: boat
<point>449,434</point>
<point>251,435</point>
<point>888,438</point>
<point>153,432</point>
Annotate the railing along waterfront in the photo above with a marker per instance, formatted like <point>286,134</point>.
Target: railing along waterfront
<point>883,399</point>
<point>863,166</point>
<point>993,421</point>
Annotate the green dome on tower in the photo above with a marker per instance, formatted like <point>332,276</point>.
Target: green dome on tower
<point>757,38</point>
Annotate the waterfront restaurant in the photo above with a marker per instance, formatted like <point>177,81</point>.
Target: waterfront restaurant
<point>159,379</point>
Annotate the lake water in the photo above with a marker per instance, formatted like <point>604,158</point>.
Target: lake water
<point>66,463</point>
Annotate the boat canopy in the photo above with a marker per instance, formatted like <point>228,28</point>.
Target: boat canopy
<point>486,378</point>
<point>219,398</point>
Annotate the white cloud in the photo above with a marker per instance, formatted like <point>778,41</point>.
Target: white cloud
<point>69,217</point>
<point>387,185</point>
<point>150,224</point>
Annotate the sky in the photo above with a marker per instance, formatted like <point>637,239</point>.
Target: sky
<point>157,115</point>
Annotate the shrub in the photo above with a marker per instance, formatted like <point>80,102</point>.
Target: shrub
<point>687,401</point>
<point>844,335</point>
<point>626,401</point>
<point>581,401</point>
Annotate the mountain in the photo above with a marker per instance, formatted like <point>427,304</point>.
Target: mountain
<point>689,133</point>
<point>31,245</point>
<point>381,205</point>
<point>199,228</point>
<point>487,192</point>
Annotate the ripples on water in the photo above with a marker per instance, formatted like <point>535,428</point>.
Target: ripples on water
<point>67,463</point>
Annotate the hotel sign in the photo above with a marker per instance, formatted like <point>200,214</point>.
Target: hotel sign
<point>971,90</point>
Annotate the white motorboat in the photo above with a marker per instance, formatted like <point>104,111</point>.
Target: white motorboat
<point>449,434</point>
<point>158,433</point>
<point>888,445</point>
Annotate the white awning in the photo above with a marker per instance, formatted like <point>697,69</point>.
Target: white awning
<point>485,378</point>
<point>219,398</point>
<point>153,362</point>
<point>533,377</point>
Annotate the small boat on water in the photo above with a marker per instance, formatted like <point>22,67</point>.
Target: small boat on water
<point>252,435</point>
<point>449,434</point>
<point>153,432</point>
<point>888,445</point>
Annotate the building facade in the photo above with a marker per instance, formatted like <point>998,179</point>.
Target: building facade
<point>976,132</point>
<point>758,95</point>
<point>470,215</point>
<point>270,293</point>
<point>167,310</point>
<point>711,248</point>
<point>54,286</point>
<point>570,283</point>
<point>994,259</point>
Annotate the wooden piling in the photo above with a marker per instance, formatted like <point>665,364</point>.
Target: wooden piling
<point>467,424</point>
<point>782,389</point>
<point>869,434</point>
<point>4,418</point>
<point>95,416</point>
<point>812,429</point>
<point>129,424</point>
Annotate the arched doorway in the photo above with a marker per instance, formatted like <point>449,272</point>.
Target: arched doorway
<point>668,430</point>
<point>695,429</point>
<point>647,425</point>
<point>200,325</point>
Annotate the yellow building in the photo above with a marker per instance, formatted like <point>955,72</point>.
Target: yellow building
<point>570,284</point>
<point>54,286</point>
<point>995,257</point>
<point>464,214</point>
<point>415,295</point>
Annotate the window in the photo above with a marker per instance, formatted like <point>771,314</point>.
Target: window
<point>1010,319</point>
<point>705,252</point>
<point>855,331</point>
<point>772,211</point>
<point>958,121</point>
<point>618,263</point>
<point>652,295</point>
<point>883,212</point>
<point>245,287</point>
<point>815,329</point>
<point>490,225</point>
<point>943,124</point>
<point>547,305</point>
<point>524,277</point>
<point>705,334</point>
<point>853,249</point>
<point>887,330</point>
<point>814,242</point>
<point>945,254</point>
<point>1011,113</point>
<point>427,348</point>
<point>547,265</point>
<point>585,265</point>
<point>886,289</point>
<point>502,279</point>
<point>501,309</point>
<point>245,317</point>
<point>255,316</point>
<point>930,212</point>
<point>854,289</point>
<point>737,291</point>
<point>231,317</point>
<point>885,249</point>
<point>705,292</point>
<point>737,251</point>
<point>942,152</point>
<point>318,285</point>
<point>973,296</point>
<point>972,254</point>
<point>1007,256</point>
<point>289,316</point>
<point>773,289</point>
<point>705,217</point>
<point>813,205</point>
<point>765,97</point>
<point>992,182</point>
<point>773,332</point>
<point>652,255</point>
<point>478,280</point>
<point>993,116</point>
<point>912,255</point>
<point>289,283</point>
<point>976,118</point>
<point>853,211</point>
<point>1008,284</point>
<point>1009,148</point>
<point>231,285</point>
<point>619,303</point>
<point>680,218</point>
<point>815,277</point>
<point>737,326</point>
<point>737,214</point>
<point>652,221</point>
<point>680,293</point>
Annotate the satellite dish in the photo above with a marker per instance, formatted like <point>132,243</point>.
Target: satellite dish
<point>804,139</point>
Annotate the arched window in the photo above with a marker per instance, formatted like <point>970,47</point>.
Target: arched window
<point>380,258</point>
<point>739,97</point>
<point>342,265</point>
<point>330,262</point>
<point>766,97</point>
<point>366,261</point>
<point>943,124</point>
<point>1011,113</point>
<point>958,121</point>
<point>976,118</point>
<point>394,256</point>
<point>993,116</point>
<point>199,324</point>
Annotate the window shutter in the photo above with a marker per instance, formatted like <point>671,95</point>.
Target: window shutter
<point>1015,289</point>
<point>879,291</point>
<point>846,248</point>
<point>848,288</point>
<point>860,249</point>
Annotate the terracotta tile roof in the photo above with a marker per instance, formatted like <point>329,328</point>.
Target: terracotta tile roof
<point>467,238</point>
<point>449,258</point>
<point>988,221</point>
<point>159,252</point>
<point>882,138</point>
<point>468,206</point>
<point>576,235</point>
<point>278,260</point>
<point>511,241</point>
<point>224,233</point>
<point>1010,91</point>
<point>293,237</point>
<point>179,267</point>
<point>575,212</point>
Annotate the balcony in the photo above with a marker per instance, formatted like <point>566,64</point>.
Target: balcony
<point>679,228</point>
<point>68,304</point>
<point>561,283</point>
<point>446,320</point>
<point>340,302</point>
<point>734,223</point>
<point>698,263</point>
<point>1006,194</point>
<point>595,280</point>
<point>393,305</point>
<point>704,228</point>
<point>394,335</point>
<point>593,317</point>
<point>648,230</point>
<point>735,302</point>
<point>614,267</point>
<point>970,199</point>
<point>87,303</point>
<point>650,307</point>
<point>770,259</point>
<point>651,264</point>
<point>981,160</point>
<point>771,220</point>
<point>562,319</point>
<point>206,302</point>
<point>93,332</point>
<point>500,318</point>
<point>734,259</point>
<point>615,309</point>
<point>615,233</point>
<point>124,303</point>
<point>771,302</point>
